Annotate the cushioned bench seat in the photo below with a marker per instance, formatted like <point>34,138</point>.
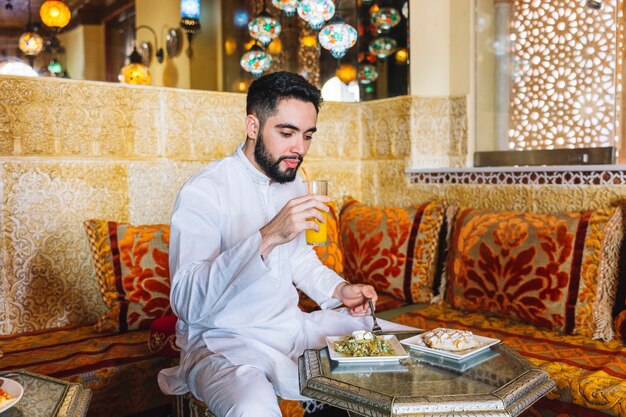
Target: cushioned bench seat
<point>117,367</point>
<point>588,373</point>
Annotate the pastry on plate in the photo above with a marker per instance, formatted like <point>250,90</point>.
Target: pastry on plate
<point>449,339</point>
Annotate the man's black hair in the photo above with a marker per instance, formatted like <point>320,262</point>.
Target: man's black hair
<point>265,92</point>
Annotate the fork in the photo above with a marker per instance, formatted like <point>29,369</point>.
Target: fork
<point>376,329</point>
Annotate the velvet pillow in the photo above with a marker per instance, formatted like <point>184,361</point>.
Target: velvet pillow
<point>554,271</point>
<point>133,273</point>
<point>393,249</point>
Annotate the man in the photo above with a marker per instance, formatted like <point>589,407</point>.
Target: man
<point>237,254</point>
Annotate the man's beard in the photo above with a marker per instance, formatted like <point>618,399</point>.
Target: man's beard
<point>270,166</point>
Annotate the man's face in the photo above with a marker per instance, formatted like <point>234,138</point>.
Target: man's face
<point>284,139</point>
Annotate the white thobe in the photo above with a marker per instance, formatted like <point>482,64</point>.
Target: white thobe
<point>229,300</point>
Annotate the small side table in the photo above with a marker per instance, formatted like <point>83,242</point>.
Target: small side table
<point>47,397</point>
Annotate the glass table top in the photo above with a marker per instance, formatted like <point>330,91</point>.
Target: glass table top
<point>496,380</point>
<point>47,397</point>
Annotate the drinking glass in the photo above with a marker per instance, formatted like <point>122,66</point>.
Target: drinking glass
<point>319,187</point>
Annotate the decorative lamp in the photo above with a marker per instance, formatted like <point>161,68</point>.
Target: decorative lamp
<point>55,14</point>
<point>405,10</point>
<point>288,7</point>
<point>316,12</point>
<point>346,73</point>
<point>135,72</point>
<point>383,47</point>
<point>367,73</point>
<point>264,28</point>
<point>159,54</point>
<point>385,18</point>
<point>402,55</point>
<point>190,20</point>
<point>256,61</point>
<point>30,42</point>
<point>337,36</point>
<point>308,40</point>
<point>55,68</point>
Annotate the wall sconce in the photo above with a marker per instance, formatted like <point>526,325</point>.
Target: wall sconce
<point>159,51</point>
<point>190,20</point>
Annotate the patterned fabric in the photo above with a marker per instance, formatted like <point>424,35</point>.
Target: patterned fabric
<point>393,249</point>
<point>588,373</point>
<point>554,271</point>
<point>117,367</point>
<point>133,272</point>
<point>163,336</point>
<point>620,326</point>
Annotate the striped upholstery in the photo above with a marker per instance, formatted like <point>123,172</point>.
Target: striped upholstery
<point>117,367</point>
<point>589,374</point>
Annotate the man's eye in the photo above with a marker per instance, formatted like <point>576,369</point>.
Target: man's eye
<point>308,137</point>
<point>286,134</point>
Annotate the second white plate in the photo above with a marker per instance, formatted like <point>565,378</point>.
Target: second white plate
<point>398,351</point>
<point>14,390</point>
<point>416,342</point>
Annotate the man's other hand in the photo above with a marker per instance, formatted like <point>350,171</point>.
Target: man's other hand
<point>355,297</point>
<point>291,220</point>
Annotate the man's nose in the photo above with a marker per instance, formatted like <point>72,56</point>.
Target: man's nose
<point>299,146</point>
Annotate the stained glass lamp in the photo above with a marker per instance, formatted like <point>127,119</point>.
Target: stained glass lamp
<point>316,12</point>
<point>385,18</point>
<point>405,10</point>
<point>55,68</point>
<point>264,28</point>
<point>337,36</point>
<point>383,47</point>
<point>367,73</point>
<point>30,43</point>
<point>190,20</point>
<point>287,6</point>
<point>256,61</point>
<point>346,73</point>
<point>55,14</point>
<point>135,72</point>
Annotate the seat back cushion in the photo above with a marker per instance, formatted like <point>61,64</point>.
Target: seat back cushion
<point>554,271</point>
<point>394,249</point>
<point>133,273</point>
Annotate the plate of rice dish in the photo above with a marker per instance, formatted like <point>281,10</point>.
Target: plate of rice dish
<point>364,346</point>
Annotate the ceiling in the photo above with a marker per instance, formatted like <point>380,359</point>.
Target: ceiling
<point>13,20</point>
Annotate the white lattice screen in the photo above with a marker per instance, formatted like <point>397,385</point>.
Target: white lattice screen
<point>566,78</point>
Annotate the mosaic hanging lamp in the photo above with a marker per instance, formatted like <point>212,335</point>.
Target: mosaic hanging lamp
<point>367,73</point>
<point>383,47</point>
<point>385,18</point>
<point>316,12</point>
<point>30,42</point>
<point>337,36</point>
<point>405,10</point>
<point>288,7</point>
<point>55,14</point>
<point>346,73</point>
<point>135,72</point>
<point>256,61</point>
<point>264,28</point>
<point>190,20</point>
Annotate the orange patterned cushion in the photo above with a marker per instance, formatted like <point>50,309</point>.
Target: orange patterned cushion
<point>393,249</point>
<point>133,273</point>
<point>554,271</point>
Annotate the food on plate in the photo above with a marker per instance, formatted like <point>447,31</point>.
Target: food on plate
<point>4,398</point>
<point>362,343</point>
<point>449,339</point>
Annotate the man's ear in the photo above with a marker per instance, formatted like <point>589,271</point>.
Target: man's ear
<point>252,126</point>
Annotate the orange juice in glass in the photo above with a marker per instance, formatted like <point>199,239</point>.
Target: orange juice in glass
<point>314,237</point>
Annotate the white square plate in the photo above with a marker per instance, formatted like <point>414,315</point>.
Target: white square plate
<point>398,351</point>
<point>416,342</point>
<point>14,390</point>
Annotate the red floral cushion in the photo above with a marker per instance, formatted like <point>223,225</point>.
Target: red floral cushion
<point>393,249</point>
<point>163,336</point>
<point>133,273</point>
<point>554,271</point>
